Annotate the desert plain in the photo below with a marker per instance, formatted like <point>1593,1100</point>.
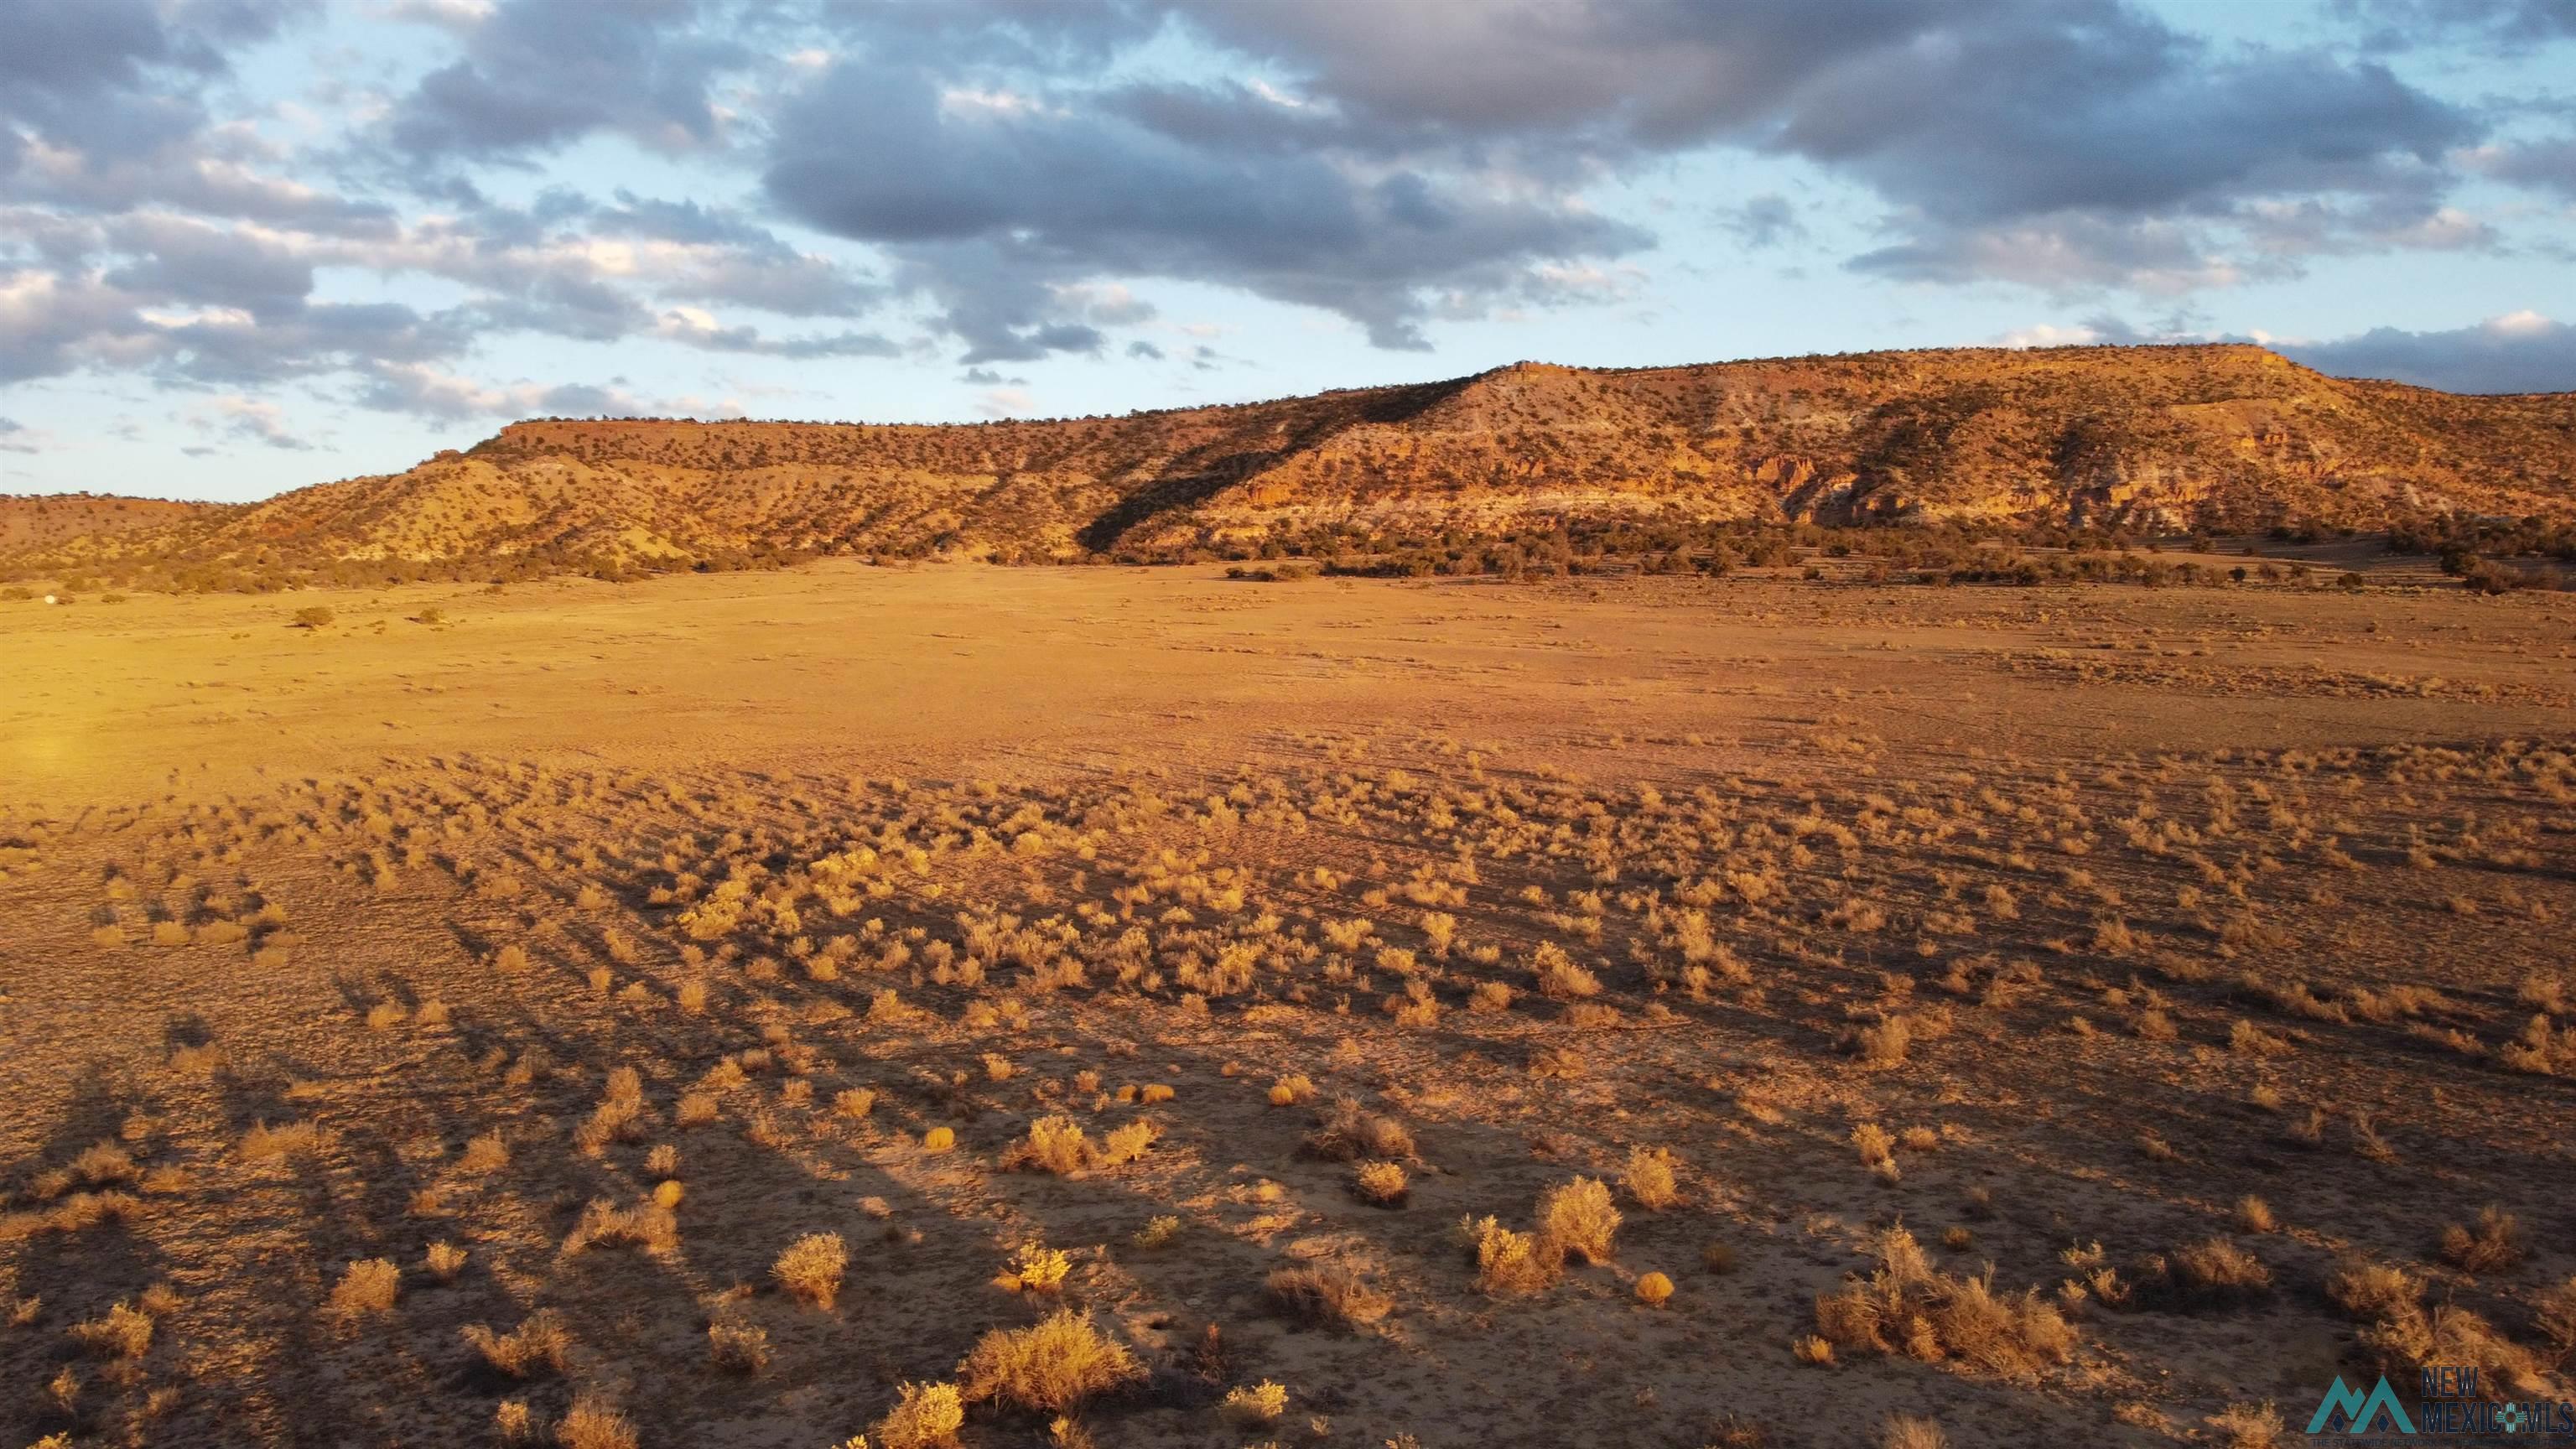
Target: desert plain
<point>1144,1007</point>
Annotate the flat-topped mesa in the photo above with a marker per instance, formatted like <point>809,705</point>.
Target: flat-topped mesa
<point>2218,437</point>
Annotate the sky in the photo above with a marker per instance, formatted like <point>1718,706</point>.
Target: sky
<point>248,245</point>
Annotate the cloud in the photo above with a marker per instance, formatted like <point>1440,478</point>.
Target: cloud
<point>1144,351</point>
<point>429,392</point>
<point>2517,352</point>
<point>1763,221</point>
<point>700,329</point>
<point>230,301</point>
<point>253,419</point>
<point>2405,24</point>
<point>537,74</point>
<point>1002,402</point>
<point>17,437</point>
<point>2543,165</point>
<point>1004,213</point>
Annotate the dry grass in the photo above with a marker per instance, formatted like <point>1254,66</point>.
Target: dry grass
<point>1650,1179</point>
<point>1579,1217</point>
<point>1348,1134</point>
<point>1053,1366</point>
<point>542,1343</point>
<point>123,1332</point>
<point>1510,1263</point>
<point>1906,1306</point>
<point>810,1268</point>
<point>368,1286</point>
<point>593,1424</point>
<point>2492,1246</point>
<point>1254,1406</point>
<point>1382,1183</point>
<point>2249,1426</point>
<point>925,1416</point>
<point>1327,1295</point>
<point>737,1347</point>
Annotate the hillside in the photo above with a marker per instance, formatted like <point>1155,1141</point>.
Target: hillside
<point>42,520</point>
<point>2149,439</point>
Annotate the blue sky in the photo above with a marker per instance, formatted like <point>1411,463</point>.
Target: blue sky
<point>247,245</point>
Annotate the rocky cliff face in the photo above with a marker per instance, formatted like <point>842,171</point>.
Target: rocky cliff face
<point>2169,438</point>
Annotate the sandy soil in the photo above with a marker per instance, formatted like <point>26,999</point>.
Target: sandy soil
<point>2163,898</point>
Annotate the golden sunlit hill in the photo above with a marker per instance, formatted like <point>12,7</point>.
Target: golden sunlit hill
<point>1473,475</point>
<point>45,519</point>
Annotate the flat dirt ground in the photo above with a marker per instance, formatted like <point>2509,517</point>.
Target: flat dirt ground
<point>2070,1015</point>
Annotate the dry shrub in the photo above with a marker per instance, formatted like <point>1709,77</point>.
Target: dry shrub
<point>592,1424</point>
<point>2555,1317</point>
<point>1508,1262</point>
<point>927,1416</point>
<point>1126,1144</point>
<point>199,1060</point>
<point>2401,1333</point>
<point>2445,1334</point>
<point>1654,1290</point>
<point>2494,1245</point>
<point>1037,1268</point>
<point>1559,977</point>
<point>368,1286</point>
<point>263,1143</point>
<point>1906,1306</point>
<point>2250,1426</point>
<point>541,1342</point>
<point>486,1153</point>
<point>737,1347</point>
<point>2254,1215</point>
<point>102,1163</point>
<point>1885,1043</point>
<point>444,1261</point>
<point>2372,1291</point>
<point>647,1225</point>
<point>2248,1040</point>
<point>2215,1268</point>
<point>1327,1295</point>
<point>810,1268</point>
<point>855,1103</point>
<point>1054,1145</point>
<point>1051,1366</point>
<point>1650,1179</point>
<point>123,1332</point>
<point>1252,1406</point>
<point>1904,1431</point>
<point>1381,1182</point>
<point>1348,1134</point>
<point>513,1422</point>
<point>1813,1349</point>
<point>1579,1216</point>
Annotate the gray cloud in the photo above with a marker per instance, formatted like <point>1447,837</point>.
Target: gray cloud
<point>2545,165</point>
<point>2522,352</point>
<point>2405,24</point>
<point>1762,221</point>
<point>1000,196</point>
<point>539,73</point>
